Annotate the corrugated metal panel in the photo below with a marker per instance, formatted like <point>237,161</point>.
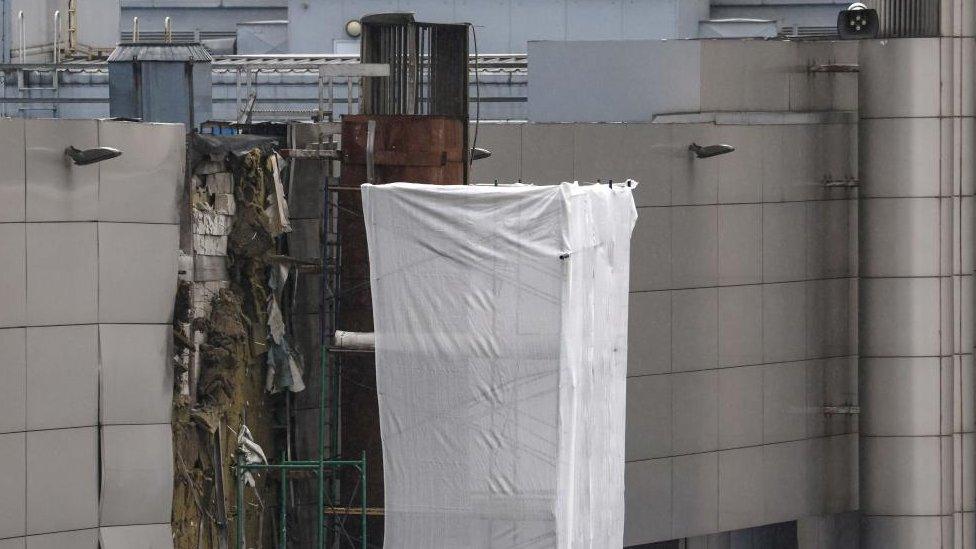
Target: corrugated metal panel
<point>907,18</point>
<point>148,51</point>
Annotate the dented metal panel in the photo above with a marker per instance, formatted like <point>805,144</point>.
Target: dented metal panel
<point>93,244</point>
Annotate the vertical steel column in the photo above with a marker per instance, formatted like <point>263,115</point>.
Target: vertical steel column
<point>916,374</point>
<point>283,496</point>
<point>362,484</point>
<point>324,340</point>
<point>240,501</point>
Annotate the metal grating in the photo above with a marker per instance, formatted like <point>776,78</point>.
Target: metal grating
<point>799,32</point>
<point>428,66</point>
<point>907,18</point>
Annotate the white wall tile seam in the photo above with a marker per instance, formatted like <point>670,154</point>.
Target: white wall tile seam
<point>778,282</point>
<point>773,363</point>
<point>804,438</point>
<point>951,355</point>
<point>757,202</point>
<point>54,532</point>
<point>920,117</point>
<point>940,277</point>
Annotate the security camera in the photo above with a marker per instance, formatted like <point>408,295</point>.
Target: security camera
<point>858,22</point>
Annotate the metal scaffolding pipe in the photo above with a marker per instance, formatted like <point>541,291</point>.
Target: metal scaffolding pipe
<point>359,341</point>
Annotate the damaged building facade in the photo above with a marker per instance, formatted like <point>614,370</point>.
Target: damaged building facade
<point>174,321</point>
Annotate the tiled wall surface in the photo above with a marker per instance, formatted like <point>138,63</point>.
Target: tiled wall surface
<point>87,282</point>
<point>741,315</point>
<point>918,432</point>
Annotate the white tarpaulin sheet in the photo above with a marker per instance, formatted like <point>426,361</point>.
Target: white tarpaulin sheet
<point>501,346</point>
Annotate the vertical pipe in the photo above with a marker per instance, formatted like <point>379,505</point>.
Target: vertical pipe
<point>324,367</point>
<point>135,29</point>
<point>283,496</point>
<point>23,36</point>
<point>240,502</point>
<point>57,37</point>
<point>349,97</point>
<point>319,83</point>
<point>237,91</point>
<point>362,483</point>
<point>331,100</point>
<point>167,30</point>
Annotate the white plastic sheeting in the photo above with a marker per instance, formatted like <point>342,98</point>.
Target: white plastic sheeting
<point>500,318</point>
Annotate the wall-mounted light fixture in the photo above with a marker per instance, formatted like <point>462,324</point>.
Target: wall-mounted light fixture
<point>477,153</point>
<point>354,28</point>
<point>708,151</point>
<point>91,156</point>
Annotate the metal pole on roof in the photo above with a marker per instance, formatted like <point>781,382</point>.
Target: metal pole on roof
<point>57,38</point>
<point>23,36</point>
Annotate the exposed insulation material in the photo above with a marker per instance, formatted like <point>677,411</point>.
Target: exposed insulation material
<point>226,343</point>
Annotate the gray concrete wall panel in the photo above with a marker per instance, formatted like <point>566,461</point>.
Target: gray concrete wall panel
<point>13,278</point>
<point>59,190</point>
<point>13,512</point>
<point>62,480</point>
<point>146,536</point>
<point>137,272</point>
<point>137,474</point>
<point>900,157</point>
<point>12,178</point>
<point>62,377</point>
<point>63,372</point>
<point>135,355</point>
<point>80,539</point>
<point>569,79</point>
<point>144,184</point>
<point>62,273</point>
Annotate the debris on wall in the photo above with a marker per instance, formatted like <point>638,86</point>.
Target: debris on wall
<point>234,355</point>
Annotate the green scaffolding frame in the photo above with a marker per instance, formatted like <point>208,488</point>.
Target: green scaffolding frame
<point>328,382</point>
<point>319,466</point>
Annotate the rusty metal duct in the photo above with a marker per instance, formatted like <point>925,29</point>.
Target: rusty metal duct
<point>428,78</point>
<point>907,18</point>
